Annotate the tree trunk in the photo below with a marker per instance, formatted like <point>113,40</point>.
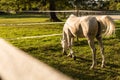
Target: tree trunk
<point>53,16</point>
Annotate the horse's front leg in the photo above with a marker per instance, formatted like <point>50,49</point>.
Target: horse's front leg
<point>70,44</point>
<point>64,52</point>
<point>92,46</point>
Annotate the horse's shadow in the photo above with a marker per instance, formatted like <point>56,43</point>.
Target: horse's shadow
<point>88,60</point>
<point>113,65</point>
<point>80,59</point>
<point>80,42</point>
<point>117,33</point>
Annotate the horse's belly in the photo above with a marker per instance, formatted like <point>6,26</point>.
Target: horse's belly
<point>80,34</point>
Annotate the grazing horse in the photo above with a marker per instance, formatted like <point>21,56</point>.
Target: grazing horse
<point>90,28</point>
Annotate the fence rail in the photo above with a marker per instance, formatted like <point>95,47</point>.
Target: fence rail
<point>82,12</point>
<point>115,17</point>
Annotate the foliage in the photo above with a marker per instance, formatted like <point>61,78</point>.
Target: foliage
<point>118,6</point>
<point>19,5</point>
<point>112,5</point>
<point>94,4</point>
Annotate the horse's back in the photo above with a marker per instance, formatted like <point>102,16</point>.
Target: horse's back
<point>72,25</point>
<point>89,25</point>
<point>81,26</point>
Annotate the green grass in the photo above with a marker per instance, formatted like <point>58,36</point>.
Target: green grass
<point>7,19</point>
<point>49,50</point>
<point>29,30</point>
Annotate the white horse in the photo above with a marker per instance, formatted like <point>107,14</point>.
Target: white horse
<point>90,28</point>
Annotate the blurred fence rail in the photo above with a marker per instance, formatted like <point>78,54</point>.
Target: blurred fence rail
<point>100,12</point>
<point>80,12</point>
<point>66,13</point>
<point>18,65</point>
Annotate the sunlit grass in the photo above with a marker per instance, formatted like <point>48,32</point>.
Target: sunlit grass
<point>15,19</point>
<point>29,30</point>
<point>21,20</point>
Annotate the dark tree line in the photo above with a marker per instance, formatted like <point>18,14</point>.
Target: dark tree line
<point>52,5</point>
<point>19,5</point>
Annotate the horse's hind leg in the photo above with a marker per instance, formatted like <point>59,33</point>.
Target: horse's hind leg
<point>92,46</point>
<point>99,38</point>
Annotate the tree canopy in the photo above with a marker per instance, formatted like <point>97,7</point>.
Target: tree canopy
<point>52,5</point>
<point>19,5</point>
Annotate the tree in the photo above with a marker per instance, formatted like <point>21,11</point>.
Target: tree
<point>52,7</point>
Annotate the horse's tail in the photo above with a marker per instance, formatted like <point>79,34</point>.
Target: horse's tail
<point>109,25</point>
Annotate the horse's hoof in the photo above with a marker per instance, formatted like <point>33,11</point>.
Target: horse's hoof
<point>74,57</point>
<point>64,53</point>
<point>69,55</point>
<point>92,68</point>
<point>102,66</point>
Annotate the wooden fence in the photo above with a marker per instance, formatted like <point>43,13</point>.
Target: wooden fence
<point>68,12</point>
<point>18,65</point>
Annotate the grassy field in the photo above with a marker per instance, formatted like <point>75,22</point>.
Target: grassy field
<point>49,49</point>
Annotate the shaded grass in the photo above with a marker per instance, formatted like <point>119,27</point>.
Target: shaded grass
<point>49,50</point>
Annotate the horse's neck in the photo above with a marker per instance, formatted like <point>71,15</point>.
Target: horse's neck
<point>64,36</point>
<point>73,19</point>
